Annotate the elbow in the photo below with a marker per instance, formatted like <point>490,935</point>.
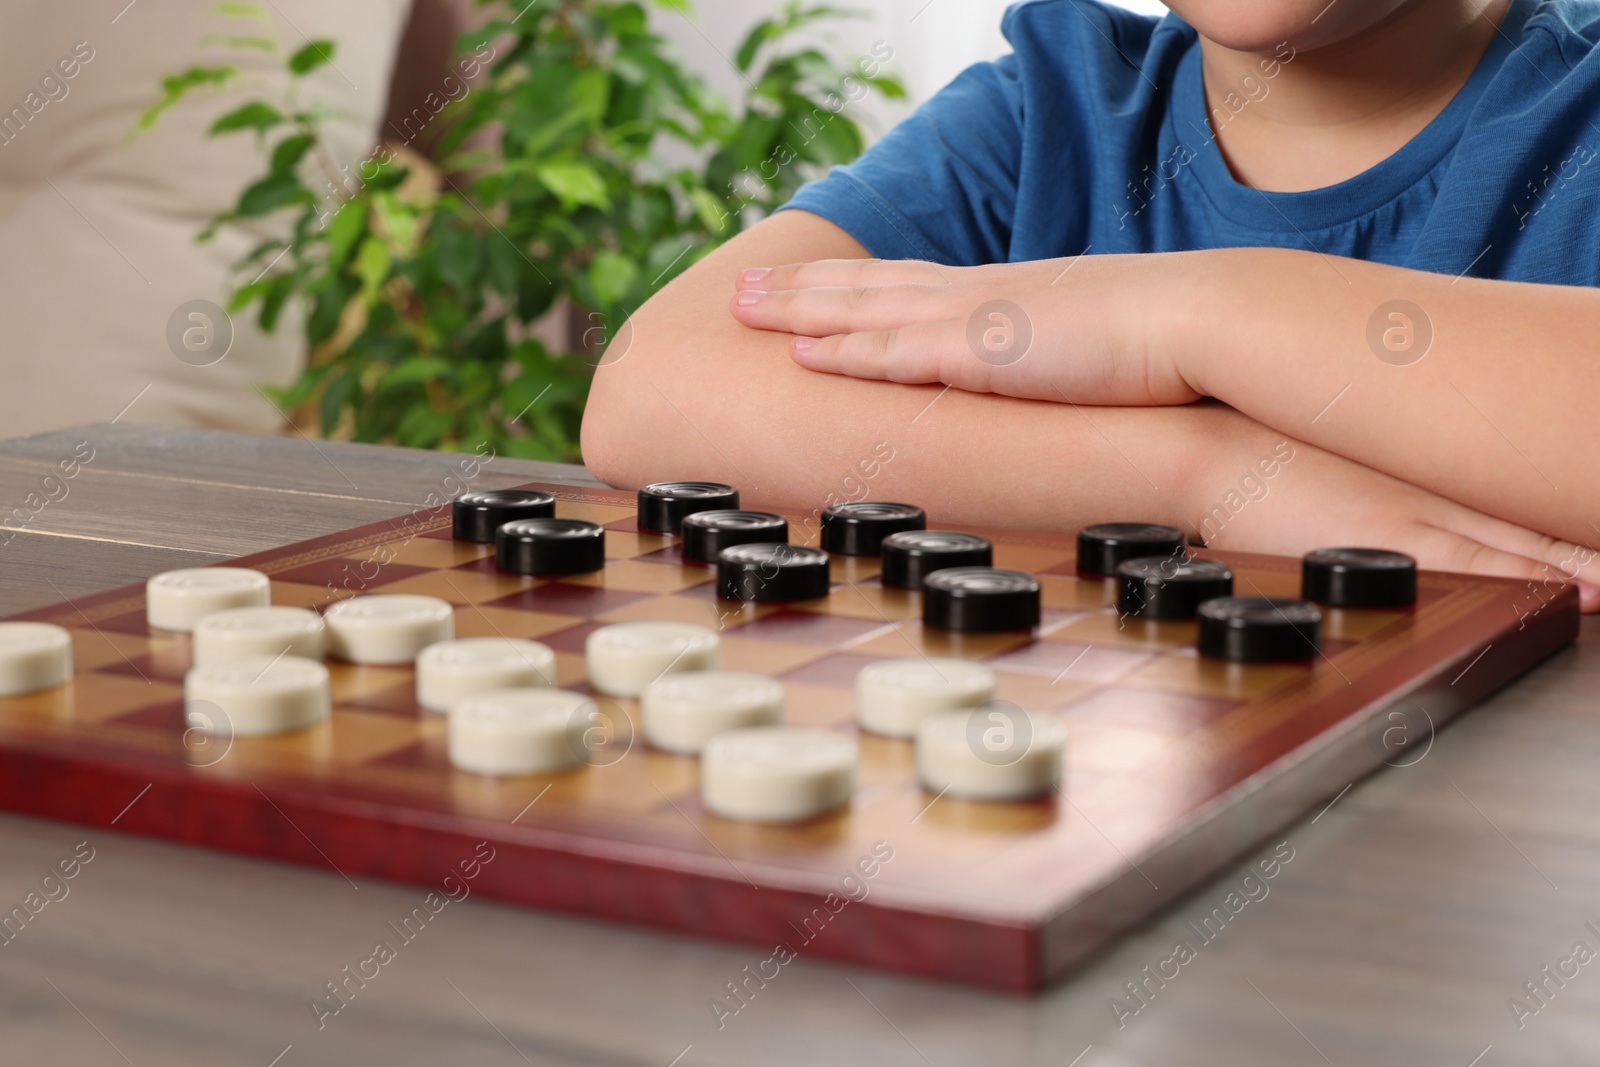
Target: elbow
<point>631,433</point>
<point>651,404</point>
<point>604,437</point>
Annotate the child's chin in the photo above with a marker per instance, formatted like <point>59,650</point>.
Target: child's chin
<point>1266,25</point>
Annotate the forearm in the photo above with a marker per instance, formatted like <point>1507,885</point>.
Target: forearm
<point>690,392</point>
<point>1490,410</point>
<point>697,395</point>
<point>968,459</point>
<point>788,437</point>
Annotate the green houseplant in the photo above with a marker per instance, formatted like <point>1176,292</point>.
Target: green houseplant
<point>556,183</point>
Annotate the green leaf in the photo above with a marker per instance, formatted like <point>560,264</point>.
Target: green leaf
<point>470,160</point>
<point>271,193</point>
<point>328,307</point>
<point>505,262</point>
<point>456,256</point>
<point>387,176</point>
<point>312,56</point>
<point>303,388</point>
<point>589,93</point>
<point>759,34</point>
<point>611,275</point>
<point>246,295</point>
<point>836,140</point>
<point>796,16</point>
<point>769,30</point>
<point>372,265</point>
<point>523,392</point>
<point>288,153</point>
<point>340,393</point>
<point>416,371</point>
<point>282,288</point>
<point>890,86</point>
<point>555,104</point>
<point>259,252</point>
<point>423,427</point>
<point>241,10</point>
<point>575,183</point>
<point>252,116</point>
<point>539,130</point>
<point>378,349</point>
<point>535,294</point>
<point>175,87</point>
<point>348,224</point>
<point>262,44</point>
<point>397,219</point>
<point>712,211</point>
<point>671,257</point>
<point>476,38</point>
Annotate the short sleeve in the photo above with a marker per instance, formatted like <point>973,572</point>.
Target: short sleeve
<point>941,185</point>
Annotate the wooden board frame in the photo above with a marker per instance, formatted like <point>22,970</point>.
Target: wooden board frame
<point>1019,895</point>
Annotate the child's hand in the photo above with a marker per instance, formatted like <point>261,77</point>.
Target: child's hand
<point>1064,329</point>
<point>1318,500</point>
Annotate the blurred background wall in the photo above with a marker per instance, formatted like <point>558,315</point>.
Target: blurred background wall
<point>98,224</point>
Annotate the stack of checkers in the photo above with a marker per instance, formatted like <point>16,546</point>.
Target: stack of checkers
<point>258,669</point>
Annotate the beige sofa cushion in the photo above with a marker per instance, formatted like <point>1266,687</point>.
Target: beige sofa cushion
<point>97,231</point>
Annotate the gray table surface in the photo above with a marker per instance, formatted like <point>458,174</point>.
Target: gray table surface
<point>1413,911</point>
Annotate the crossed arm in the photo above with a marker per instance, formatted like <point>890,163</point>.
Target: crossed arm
<point>1470,388</point>
<point>1100,419</point>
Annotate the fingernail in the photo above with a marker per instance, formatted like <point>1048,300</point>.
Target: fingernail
<point>802,344</point>
<point>754,274</point>
<point>748,297</point>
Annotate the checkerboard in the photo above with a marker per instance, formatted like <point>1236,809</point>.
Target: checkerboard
<point>1176,765</point>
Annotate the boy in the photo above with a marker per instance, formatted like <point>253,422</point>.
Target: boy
<point>1137,265</point>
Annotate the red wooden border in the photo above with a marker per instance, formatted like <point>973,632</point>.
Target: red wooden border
<point>1301,762</point>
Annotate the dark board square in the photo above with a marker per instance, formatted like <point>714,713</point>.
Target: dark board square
<point>131,623</point>
<point>673,554</point>
<point>571,639</point>
<point>839,669</point>
<point>191,746</point>
<point>398,699</point>
<point>707,590</point>
<point>165,665</point>
<point>812,628</point>
<point>1069,568</point>
<point>432,753</point>
<point>562,598</point>
<point>482,565</point>
<point>1052,619</point>
<point>167,715</point>
<point>352,574</point>
<point>1332,646</point>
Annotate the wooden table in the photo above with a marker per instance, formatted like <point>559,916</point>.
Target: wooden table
<point>1413,909</point>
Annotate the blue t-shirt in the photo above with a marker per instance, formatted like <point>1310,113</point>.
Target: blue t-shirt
<point>1094,134</point>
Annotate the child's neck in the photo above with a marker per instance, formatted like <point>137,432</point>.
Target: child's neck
<point>1331,112</point>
